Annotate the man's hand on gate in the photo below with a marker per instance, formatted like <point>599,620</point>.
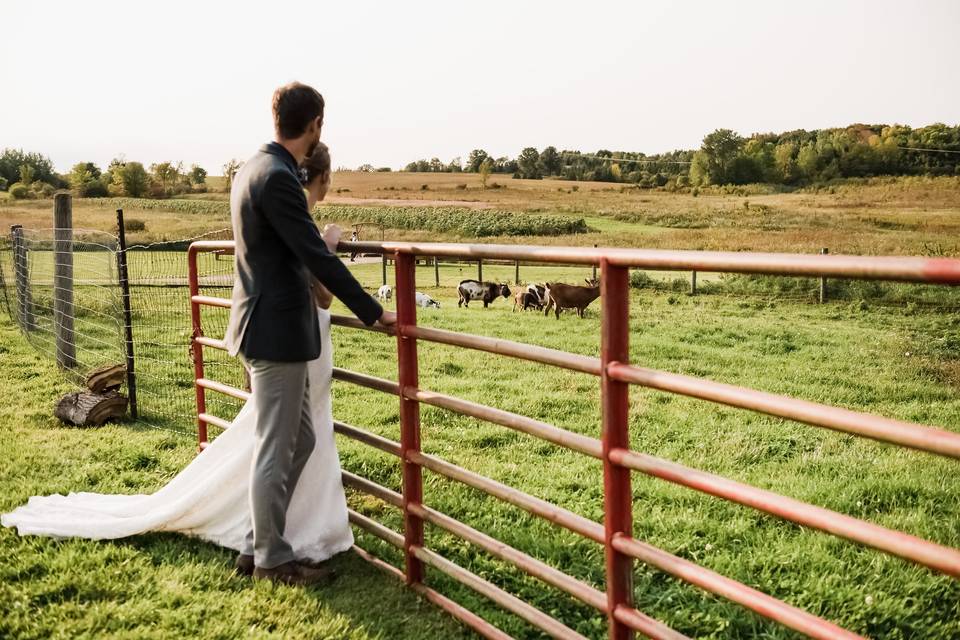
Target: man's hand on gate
<point>388,319</point>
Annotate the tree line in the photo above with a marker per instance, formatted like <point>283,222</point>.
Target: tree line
<point>31,175</point>
<point>790,158</point>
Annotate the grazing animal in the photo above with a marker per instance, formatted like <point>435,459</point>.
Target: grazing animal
<point>423,300</point>
<point>385,292</point>
<point>476,290</point>
<point>534,296</point>
<point>569,296</point>
<point>542,292</point>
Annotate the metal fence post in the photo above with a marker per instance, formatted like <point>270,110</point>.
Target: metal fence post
<point>124,277</point>
<point>617,497</point>
<point>63,280</point>
<point>21,276</point>
<point>823,281</point>
<point>196,349</point>
<point>405,268</point>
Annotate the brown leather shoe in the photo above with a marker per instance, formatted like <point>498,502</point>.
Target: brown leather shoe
<point>244,565</point>
<point>323,564</point>
<point>294,573</point>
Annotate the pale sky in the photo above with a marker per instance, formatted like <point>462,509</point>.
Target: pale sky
<point>192,81</point>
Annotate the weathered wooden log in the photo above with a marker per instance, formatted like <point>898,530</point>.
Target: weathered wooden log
<point>82,408</point>
<point>106,378</point>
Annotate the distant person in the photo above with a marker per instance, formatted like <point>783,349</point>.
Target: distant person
<point>243,492</point>
<point>353,238</point>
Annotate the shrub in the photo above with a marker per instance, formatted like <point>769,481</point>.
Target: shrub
<point>44,189</point>
<point>424,187</point>
<point>640,280</point>
<point>461,187</point>
<point>93,189</point>
<point>19,191</point>
<point>3,183</point>
<point>134,224</point>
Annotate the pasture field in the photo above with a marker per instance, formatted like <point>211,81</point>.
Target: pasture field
<point>896,360</point>
<point>914,215</point>
<point>884,348</point>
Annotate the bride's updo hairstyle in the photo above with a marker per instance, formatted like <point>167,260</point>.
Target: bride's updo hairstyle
<point>317,163</point>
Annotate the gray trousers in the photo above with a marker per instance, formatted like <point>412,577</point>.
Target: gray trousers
<point>284,441</point>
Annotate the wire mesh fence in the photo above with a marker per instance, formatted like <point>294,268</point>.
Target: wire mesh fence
<point>159,301</point>
<point>160,314</point>
<point>29,288</point>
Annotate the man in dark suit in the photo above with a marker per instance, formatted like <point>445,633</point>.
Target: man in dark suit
<point>273,322</point>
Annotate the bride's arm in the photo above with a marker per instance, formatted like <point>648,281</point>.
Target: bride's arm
<point>321,295</point>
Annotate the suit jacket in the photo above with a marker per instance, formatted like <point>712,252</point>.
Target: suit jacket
<point>278,246</point>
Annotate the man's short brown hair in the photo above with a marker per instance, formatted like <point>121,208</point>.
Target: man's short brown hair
<point>295,105</point>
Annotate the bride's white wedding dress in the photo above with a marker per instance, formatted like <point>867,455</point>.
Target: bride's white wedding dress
<point>209,499</point>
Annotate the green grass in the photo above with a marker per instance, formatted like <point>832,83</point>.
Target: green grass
<point>894,361</point>
<point>158,585</point>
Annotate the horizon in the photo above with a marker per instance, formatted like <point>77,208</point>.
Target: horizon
<point>438,81</point>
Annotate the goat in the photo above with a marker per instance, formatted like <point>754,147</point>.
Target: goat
<point>568,296</point>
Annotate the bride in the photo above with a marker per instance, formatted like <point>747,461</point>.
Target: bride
<point>209,499</point>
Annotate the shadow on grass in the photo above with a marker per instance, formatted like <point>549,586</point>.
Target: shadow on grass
<point>375,604</point>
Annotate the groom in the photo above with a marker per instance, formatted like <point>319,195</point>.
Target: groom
<point>273,322</point>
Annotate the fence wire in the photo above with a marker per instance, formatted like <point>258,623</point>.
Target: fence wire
<point>160,315</point>
<point>160,304</point>
<point>160,309</point>
<point>29,290</point>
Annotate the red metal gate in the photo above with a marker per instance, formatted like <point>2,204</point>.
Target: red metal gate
<point>612,448</point>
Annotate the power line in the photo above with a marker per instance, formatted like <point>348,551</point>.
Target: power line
<point>932,150</point>
<point>612,159</point>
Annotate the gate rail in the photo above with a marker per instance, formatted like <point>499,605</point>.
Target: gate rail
<point>612,448</point>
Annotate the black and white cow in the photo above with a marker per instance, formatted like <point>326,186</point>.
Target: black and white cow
<point>476,290</point>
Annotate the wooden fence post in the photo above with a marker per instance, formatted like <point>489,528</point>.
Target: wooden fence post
<point>516,271</point>
<point>594,276</point>
<point>436,271</point>
<point>25,315</point>
<point>823,281</point>
<point>383,267</point>
<point>480,270</point>
<point>63,280</point>
<point>124,278</point>
<point>693,283</point>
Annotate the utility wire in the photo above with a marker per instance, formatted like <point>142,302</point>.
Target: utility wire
<point>612,159</point>
<point>648,161</point>
<point>932,150</point>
